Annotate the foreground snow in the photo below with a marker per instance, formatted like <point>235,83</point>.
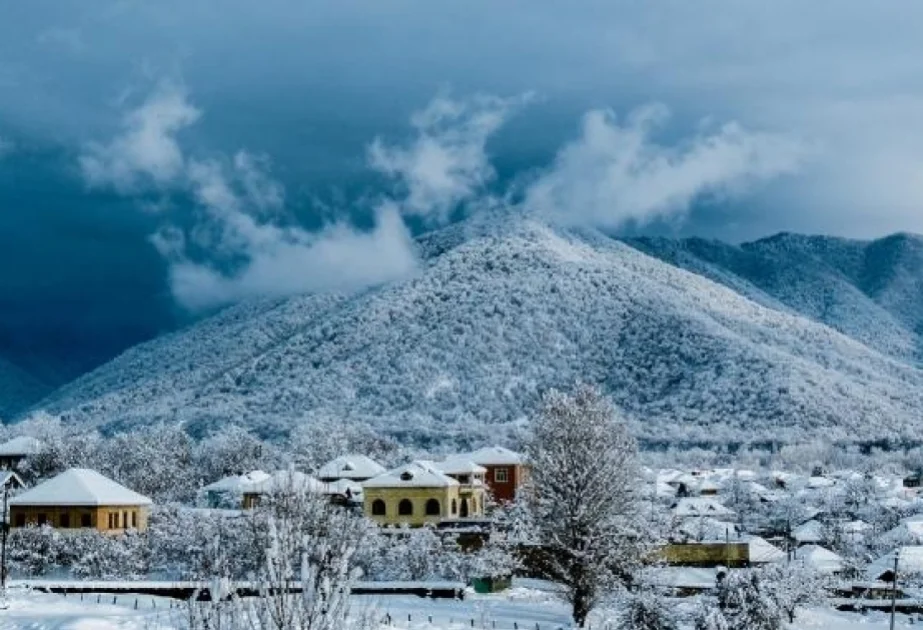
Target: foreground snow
<point>520,607</point>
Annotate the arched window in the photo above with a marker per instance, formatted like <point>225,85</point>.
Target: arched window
<point>433,508</point>
<point>405,507</point>
<point>454,507</point>
<point>378,508</point>
<point>464,508</point>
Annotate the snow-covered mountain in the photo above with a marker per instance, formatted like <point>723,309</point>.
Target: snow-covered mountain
<point>869,290</point>
<point>501,310</point>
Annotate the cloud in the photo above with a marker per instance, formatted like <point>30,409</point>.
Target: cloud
<point>147,151</point>
<point>241,243</point>
<point>615,172</point>
<point>447,163</point>
<point>237,252</point>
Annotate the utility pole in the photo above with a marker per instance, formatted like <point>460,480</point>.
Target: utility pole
<point>4,531</point>
<point>894,588</point>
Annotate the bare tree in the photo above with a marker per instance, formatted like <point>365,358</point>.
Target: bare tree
<point>582,496</point>
<point>308,570</point>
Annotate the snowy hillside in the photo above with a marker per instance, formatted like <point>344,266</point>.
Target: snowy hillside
<point>871,291</point>
<point>18,389</point>
<point>501,311</point>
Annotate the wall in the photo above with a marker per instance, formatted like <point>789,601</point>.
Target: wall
<point>706,554</point>
<point>99,516</point>
<point>418,496</point>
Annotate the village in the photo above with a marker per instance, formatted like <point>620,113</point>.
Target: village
<point>849,530</point>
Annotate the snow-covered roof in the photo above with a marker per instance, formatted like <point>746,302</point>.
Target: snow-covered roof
<point>350,467</point>
<point>417,474</point>
<point>910,560</point>
<point>340,486</point>
<point>810,532</point>
<point>700,506</point>
<point>237,483</point>
<point>80,486</point>
<point>760,551</point>
<point>820,559</point>
<point>459,465</point>
<point>22,445</point>
<point>8,477</point>
<point>283,480</point>
<point>682,577</point>
<point>495,456</point>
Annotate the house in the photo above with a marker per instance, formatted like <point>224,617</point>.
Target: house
<point>809,533</point>
<point>10,480</point>
<point>414,494</point>
<point>506,470</point>
<point>80,498</point>
<point>746,551</point>
<point>471,480</point>
<point>229,491</point>
<point>909,565</point>
<point>14,451</point>
<point>820,559</point>
<point>695,507</point>
<point>281,481</point>
<point>351,467</point>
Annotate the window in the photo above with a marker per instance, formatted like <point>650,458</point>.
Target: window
<point>113,520</point>
<point>379,508</point>
<point>85,520</point>
<point>433,508</point>
<point>42,518</point>
<point>20,520</point>
<point>405,508</point>
<point>65,520</point>
<point>464,508</point>
<point>125,520</point>
<point>454,507</point>
<point>134,520</point>
<point>501,475</point>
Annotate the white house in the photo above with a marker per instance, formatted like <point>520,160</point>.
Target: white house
<point>820,559</point>
<point>352,467</point>
<point>14,451</point>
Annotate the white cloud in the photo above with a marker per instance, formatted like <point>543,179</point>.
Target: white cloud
<point>447,163</point>
<point>290,261</point>
<point>615,173</point>
<point>147,151</point>
<point>241,244</point>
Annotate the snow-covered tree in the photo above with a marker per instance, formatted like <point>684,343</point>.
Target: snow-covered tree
<point>707,616</point>
<point>646,610</point>
<point>582,496</point>
<point>767,598</point>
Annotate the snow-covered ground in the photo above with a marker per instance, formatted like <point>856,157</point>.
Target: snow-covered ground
<point>521,607</point>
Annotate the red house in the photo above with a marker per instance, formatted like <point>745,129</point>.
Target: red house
<point>506,470</point>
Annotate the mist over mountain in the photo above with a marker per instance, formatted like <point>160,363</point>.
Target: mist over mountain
<point>763,341</point>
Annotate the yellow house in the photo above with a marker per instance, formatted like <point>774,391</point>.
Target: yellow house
<point>80,498</point>
<point>413,494</point>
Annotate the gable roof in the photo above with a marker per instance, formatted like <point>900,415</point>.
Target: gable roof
<point>700,506</point>
<point>81,487</point>
<point>820,559</point>
<point>910,560</point>
<point>495,456</point>
<point>419,474</point>
<point>9,478</point>
<point>236,483</point>
<point>22,445</point>
<point>459,465</point>
<point>350,467</point>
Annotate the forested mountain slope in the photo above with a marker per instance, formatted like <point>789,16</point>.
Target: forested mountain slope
<point>869,290</point>
<point>502,310</point>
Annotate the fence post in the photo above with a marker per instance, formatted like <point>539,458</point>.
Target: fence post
<point>136,603</point>
<point>472,623</point>
<point>430,620</point>
<point>98,597</point>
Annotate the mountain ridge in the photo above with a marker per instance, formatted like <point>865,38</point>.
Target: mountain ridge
<point>499,311</point>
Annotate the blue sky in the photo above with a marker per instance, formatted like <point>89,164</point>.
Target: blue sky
<point>158,159</point>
